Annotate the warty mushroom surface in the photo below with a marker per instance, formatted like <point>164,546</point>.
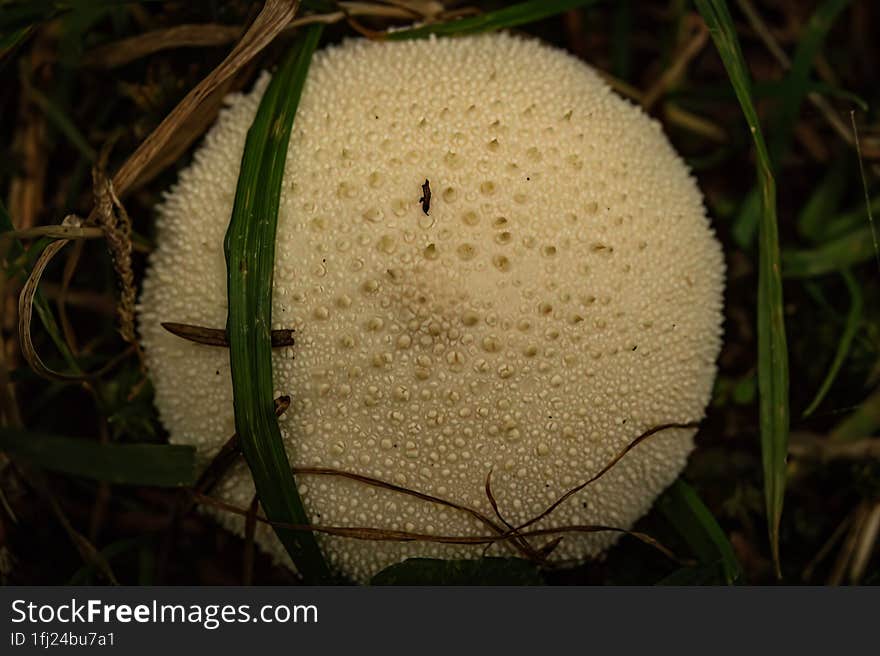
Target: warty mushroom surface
<point>562,296</point>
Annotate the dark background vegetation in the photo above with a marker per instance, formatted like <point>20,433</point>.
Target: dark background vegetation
<point>61,105</point>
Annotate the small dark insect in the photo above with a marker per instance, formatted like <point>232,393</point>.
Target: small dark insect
<point>425,200</point>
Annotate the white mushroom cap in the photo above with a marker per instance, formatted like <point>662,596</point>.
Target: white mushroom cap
<point>562,296</point>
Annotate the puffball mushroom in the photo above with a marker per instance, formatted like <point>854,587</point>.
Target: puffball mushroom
<point>561,295</point>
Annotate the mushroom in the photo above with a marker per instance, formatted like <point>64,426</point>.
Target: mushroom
<point>562,296</point>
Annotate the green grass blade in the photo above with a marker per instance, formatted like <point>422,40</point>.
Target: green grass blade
<point>853,319</point>
<point>796,84</point>
<point>162,465</point>
<point>836,255</point>
<point>11,40</point>
<point>843,94</point>
<point>250,261</point>
<point>792,91</point>
<point>683,508</point>
<point>518,14</point>
<point>772,349</point>
<point>60,121</point>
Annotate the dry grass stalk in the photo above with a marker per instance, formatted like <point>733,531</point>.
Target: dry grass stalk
<point>119,53</point>
<point>690,48</point>
<point>274,17</point>
<point>26,309</point>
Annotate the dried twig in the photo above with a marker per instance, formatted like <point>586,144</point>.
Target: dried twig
<point>629,447</point>
<point>218,336</point>
<point>672,113</point>
<point>814,447</point>
<point>124,51</point>
<point>62,231</point>
<point>866,542</point>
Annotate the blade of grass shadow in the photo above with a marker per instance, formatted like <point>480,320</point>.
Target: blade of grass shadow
<point>250,259</point>
<point>772,349</point>
<point>517,14</point>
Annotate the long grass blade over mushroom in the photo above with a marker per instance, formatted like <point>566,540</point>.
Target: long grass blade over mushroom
<point>250,257</point>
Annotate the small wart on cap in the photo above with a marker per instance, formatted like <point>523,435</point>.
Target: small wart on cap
<point>564,298</point>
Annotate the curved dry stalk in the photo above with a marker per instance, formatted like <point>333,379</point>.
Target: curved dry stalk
<point>122,52</point>
<point>629,447</point>
<point>26,309</point>
<point>519,539</point>
<point>375,482</point>
<point>25,320</point>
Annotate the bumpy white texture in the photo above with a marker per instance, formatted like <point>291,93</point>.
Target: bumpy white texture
<point>563,295</point>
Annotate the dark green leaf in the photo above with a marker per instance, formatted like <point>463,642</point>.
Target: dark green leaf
<point>683,508</point>
<point>162,465</point>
